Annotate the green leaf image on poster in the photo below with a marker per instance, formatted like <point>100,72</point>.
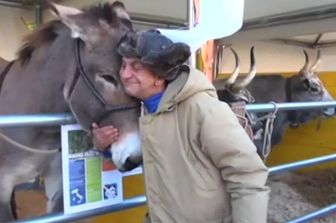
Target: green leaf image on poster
<point>79,141</point>
<point>93,179</point>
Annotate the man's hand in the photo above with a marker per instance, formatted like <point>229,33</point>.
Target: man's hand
<point>104,136</point>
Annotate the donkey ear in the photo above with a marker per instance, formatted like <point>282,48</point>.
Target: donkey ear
<point>69,16</point>
<point>120,9</point>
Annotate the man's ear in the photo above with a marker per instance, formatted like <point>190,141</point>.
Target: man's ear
<point>159,81</point>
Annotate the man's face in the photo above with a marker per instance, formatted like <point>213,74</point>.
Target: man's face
<point>137,79</point>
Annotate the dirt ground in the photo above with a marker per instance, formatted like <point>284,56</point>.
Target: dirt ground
<point>296,194</point>
<point>293,195</point>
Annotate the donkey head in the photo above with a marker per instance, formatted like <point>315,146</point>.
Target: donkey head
<point>95,93</point>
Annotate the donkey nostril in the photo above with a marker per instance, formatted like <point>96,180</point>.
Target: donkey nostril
<point>130,165</point>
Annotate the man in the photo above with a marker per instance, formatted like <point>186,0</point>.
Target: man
<point>199,164</point>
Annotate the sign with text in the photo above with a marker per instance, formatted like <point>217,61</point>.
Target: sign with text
<point>89,180</point>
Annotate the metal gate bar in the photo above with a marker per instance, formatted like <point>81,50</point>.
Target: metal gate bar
<point>67,118</point>
<point>60,217</point>
<point>300,164</point>
<point>316,214</point>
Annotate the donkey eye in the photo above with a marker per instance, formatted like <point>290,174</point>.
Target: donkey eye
<point>110,79</point>
<point>314,88</point>
<point>306,84</point>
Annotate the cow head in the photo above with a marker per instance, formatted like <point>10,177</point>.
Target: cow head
<point>233,90</point>
<point>307,86</point>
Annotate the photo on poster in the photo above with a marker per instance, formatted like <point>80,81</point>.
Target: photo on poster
<point>77,182</point>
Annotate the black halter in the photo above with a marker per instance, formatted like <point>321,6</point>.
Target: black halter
<point>80,72</point>
<point>108,108</point>
<point>292,114</point>
<point>5,72</point>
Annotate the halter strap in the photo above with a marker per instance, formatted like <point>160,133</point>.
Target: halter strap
<point>292,114</point>
<point>108,108</point>
<point>5,72</point>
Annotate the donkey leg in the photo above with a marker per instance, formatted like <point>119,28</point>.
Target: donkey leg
<point>6,190</point>
<point>53,186</point>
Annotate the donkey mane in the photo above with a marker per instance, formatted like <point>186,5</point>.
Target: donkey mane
<point>45,34</point>
<point>48,32</point>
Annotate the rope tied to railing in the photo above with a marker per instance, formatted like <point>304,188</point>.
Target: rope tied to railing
<point>268,130</point>
<point>247,120</point>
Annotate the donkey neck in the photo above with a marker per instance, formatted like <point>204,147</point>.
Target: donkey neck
<point>3,64</point>
<point>40,81</point>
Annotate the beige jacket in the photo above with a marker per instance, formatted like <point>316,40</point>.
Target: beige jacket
<point>200,166</point>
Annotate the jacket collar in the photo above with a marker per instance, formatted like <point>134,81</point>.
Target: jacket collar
<point>187,84</point>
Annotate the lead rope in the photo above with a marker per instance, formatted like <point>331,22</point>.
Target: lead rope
<point>27,148</point>
<point>239,110</point>
<point>268,129</point>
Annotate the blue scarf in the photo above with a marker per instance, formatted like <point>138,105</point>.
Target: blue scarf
<point>152,102</point>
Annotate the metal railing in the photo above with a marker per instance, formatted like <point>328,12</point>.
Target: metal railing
<point>141,200</point>
<point>60,217</point>
<point>29,120</point>
<point>58,119</point>
<point>316,214</point>
<point>66,118</point>
<point>300,164</point>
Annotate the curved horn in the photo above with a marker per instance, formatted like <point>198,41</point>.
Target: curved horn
<point>249,77</point>
<point>235,72</point>
<point>219,59</point>
<point>305,69</point>
<point>316,64</point>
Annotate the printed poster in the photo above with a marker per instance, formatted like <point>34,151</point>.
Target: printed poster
<point>89,180</point>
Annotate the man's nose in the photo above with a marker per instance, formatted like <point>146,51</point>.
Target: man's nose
<point>125,73</point>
